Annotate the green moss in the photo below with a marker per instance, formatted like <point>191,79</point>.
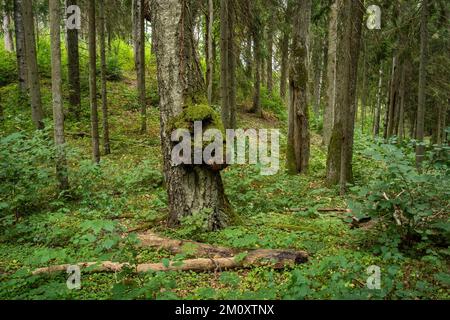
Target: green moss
<point>198,112</point>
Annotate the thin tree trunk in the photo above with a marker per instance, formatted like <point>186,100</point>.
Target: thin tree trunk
<point>224,56</point>
<point>7,33</point>
<point>364,94</point>
<point>329,112</point>
<point>209,51</point>
<point>270,57</point>
<point>37,113</point>
<point>140,51</point>
<point>58,113</point>
<point>420,149</point>
<point>73,65</point>
<point>102,25</point>
<point>20,47</point>
<point>93,82</point>
<point>284,64</point>
<point>298,135</point>
<point>401,122</point>
<point>377,117</point>
<point>256,108</point>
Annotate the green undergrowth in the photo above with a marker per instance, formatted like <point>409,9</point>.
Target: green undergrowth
<point>126,192</point>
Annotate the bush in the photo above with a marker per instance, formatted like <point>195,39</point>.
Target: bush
<point>26,171</point>
<point>8,70</point>
<point>412,206</point>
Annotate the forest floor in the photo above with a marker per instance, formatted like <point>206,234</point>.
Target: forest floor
<point>126,192</point>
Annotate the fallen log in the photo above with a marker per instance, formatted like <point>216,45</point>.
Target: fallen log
<point>151,240</point>
<point>277,259</point>
<point>319,210</point>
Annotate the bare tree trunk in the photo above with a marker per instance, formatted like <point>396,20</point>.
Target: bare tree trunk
<point>191,188</point>
<point>391,111</point>
<point>420,149</point>
<point>209,51</point>
<point>284,64</point>
<point>401,122</point>
<point>339,162</point>
<point>298,134</point>
<point>377,117</point>
<point>101,27</point>
<point>140,51</point>
<point>58,113</point>
<point>256,108</point>
<point>7,33</point>
<point>73,66</point>
<point>270,57</point>
<point>329,111</point>
<point>20,47</point>
<point>93,82</point>
<point>33,75</point>
<point>224,56</point>
<point>365,88</point>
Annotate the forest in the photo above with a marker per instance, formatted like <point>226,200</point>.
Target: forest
<point>224,150</point>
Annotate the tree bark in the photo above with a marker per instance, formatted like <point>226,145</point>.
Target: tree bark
<point>140,51</point>
<point>37,113</point>
<point>256,33</point>
<point>269,65</point>
<point>7,33</point>
<point>73,65</point>
<point>284,64</point>
<point>93,82</point>
<point>102,27</point>
<point>298,132</point>
<point>401,125</point>
<point>329,112</point>
<point>420,148</point>
<point>191,188</point>
<point>340,150</point>
<point>20,47</point>
<point>377,116</point>
<point>209,51</point>
<point>58,113</point>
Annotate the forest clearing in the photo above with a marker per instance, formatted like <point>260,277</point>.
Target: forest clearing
<point>95,206</point>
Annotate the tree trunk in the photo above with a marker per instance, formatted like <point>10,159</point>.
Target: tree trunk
<point>102,27</point>
<point>33,75</point>
<point>329,112</point>
<point>270,56</point>
<point>209,51</point>
<point>377,116</point>
<point>298,134</point>
<point>140,59</point>
<point>284,64</point>
<point>73,65</point>
<point>420,149</point>
<point>20,47</point>
<point>339,162</point>
<point>7,33</point>
<point>401,121</point>
<point>191,188</point>
<point>364,93</point>
<point>228,65</point>
<point>58,113</point>
<point>93,82</point>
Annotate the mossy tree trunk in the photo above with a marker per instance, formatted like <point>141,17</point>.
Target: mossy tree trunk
<point>102,34</point>
<point>340,150</point>
<point>298,132</point>
<point>191,188</point>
